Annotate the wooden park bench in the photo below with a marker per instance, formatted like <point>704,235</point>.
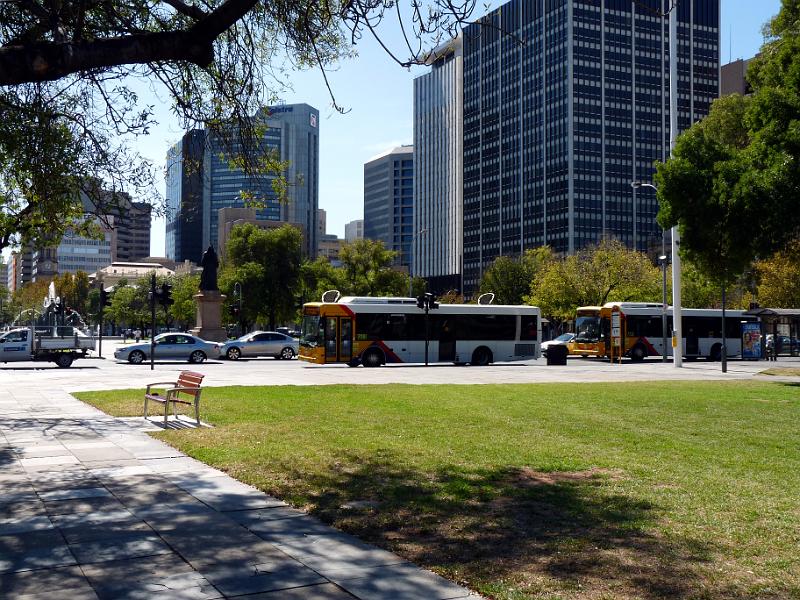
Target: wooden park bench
<point>188,384</point>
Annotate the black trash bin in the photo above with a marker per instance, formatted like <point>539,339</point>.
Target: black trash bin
<point>557,354</point>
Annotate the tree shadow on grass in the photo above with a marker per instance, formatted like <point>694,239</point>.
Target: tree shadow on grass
<point>568,532</point>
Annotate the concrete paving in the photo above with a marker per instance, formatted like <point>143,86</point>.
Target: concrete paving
<point>93,507</point>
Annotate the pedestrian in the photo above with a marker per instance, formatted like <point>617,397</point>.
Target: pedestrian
<point>137,335</point>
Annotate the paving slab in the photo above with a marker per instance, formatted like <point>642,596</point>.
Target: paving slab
<point>101,510</point>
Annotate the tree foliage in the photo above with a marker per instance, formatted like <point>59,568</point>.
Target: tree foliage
<point>778,278</point>
<point>367,270</point>
<point>68,70</point>
<point>267,265</point>
<point>510,278</point>
<point>184,308</point>
<point>605,273</point>
<point>733,180</point>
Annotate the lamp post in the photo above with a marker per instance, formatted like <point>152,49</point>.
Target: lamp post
<point>663,262</point>
<point>414,237</point>
<point>677,329</point>
<point>237,293</point>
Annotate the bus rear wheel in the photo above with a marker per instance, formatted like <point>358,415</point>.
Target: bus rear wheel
<point>372,358</point>
<point>638,353</point>
<point>481,357</point>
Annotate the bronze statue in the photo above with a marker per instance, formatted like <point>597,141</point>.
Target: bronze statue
<point>209,262</point>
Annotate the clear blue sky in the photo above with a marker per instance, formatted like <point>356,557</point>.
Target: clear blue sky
<point>378,94</point>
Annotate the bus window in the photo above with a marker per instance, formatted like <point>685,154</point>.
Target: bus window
<point>528,330</point>
<point>311,332</point>
<point>330,338</point>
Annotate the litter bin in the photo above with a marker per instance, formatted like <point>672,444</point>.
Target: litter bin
<point>557,354</point>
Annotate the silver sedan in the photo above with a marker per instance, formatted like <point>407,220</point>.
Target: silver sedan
<point>262,343</point>
<point>171,346</point>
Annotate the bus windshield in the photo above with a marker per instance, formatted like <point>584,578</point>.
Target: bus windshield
<point>311,335</point>
<point>587,329</point>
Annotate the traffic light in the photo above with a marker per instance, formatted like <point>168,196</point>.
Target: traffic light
<point>236,309</point>
<point>421,302</point>
<point>165,295</point>
<point>432,303</point>
<point>105,298</point>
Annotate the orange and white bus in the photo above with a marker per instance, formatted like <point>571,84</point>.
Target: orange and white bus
<point>641,332</point>
<point>587,340</point>
<point>376,331</point>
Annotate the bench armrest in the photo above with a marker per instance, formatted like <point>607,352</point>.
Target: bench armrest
<point>150,385</point>
<point>173,391</point>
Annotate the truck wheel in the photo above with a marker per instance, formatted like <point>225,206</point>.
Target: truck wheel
<point>136,357</point>
<point>64,360</point>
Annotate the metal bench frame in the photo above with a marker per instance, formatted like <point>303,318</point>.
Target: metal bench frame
<point>188,383</point>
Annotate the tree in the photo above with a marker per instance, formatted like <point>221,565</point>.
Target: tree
<point>318,276</point>
<point>510,278</point>
<point>778,278</point>
<point>184,308</point>
<point>367,270</point>
<point>605,273</point>
<point>67,108</point>
<point>129,307</point>
<point>732,182</point>
<point>267,265</point>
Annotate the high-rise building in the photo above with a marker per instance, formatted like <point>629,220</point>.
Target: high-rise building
<point>20,270</point>
<point>389,200</point>
<point>438,169</point>
<point>4,273</point>
<point>78,253</point>
<point>204,159</point>
<point>733,78</point>
<point>184,239</point>
<point>132,232</point>
<point>354,230</point>
<point>565,104</point>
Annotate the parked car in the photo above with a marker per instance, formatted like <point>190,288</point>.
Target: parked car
<point>262,343</point>
<point>563,340</point>
<point>174,346</point>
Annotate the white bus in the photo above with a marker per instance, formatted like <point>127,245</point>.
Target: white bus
<point>642,331</point>
<point>376,331</point>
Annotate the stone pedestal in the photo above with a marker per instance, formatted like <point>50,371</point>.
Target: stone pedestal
<point>209,316</point>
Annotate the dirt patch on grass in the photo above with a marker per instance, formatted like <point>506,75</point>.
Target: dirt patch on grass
<point>528,477</point>
<point>781,372</point>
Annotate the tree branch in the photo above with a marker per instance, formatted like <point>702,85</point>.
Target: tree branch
<point>47,61</point>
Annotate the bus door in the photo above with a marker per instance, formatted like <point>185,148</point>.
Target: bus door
<point>338,339</point>
<point>345,339</point>
<point>331,339</point>
<point>447,340</point>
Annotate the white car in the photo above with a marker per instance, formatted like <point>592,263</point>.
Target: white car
<point>262,343</point>
<point>563,340</point>
<point>175,346</point>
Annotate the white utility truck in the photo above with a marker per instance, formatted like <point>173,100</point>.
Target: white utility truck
<point>60,345</point>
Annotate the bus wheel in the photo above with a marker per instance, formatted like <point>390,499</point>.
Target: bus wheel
<point>372,358</point>
<point>481,357</point>
<point>638,353</point>
<point>716,353</point>
<point>353,363</point>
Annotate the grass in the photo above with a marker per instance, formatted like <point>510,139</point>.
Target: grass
<point>598,491</point>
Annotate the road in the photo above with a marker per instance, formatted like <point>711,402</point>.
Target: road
<point>106,373</point>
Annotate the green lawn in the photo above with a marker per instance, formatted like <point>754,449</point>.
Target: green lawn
<point>584,491</point>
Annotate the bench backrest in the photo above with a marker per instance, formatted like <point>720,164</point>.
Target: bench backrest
<point>190,379</point>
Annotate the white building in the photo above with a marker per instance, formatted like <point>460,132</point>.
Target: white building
<point>354,230</point>
<point>438,169</point>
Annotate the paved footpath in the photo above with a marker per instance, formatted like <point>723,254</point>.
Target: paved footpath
<point>93,507</point>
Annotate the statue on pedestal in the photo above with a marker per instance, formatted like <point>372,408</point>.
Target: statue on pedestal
<point>209,262</point>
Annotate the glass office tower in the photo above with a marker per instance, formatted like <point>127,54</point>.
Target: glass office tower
<point>565,104</point>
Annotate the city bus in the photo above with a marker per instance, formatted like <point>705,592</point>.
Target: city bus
<point>587,332</point>
<point>642,331</point>
<point>376,331</point>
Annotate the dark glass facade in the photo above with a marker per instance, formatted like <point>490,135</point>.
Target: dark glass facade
<point>564,110</point>
<point>389,201</point>
<point>184,239</point>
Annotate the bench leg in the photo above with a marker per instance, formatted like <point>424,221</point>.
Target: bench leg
<point>166,412</point>
<point>197,411</point>
<point>145,407</point>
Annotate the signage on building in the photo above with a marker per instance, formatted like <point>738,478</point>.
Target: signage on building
<point>313,120</point>
<point>281,108</point>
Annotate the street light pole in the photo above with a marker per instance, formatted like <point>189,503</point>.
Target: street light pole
<point>663,260</point>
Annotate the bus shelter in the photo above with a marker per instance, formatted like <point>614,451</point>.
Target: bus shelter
<point>780,327</point>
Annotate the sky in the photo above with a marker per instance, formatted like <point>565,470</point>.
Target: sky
<point>378,95</point>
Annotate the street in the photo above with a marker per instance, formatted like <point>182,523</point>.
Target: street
<point>106,373</point>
